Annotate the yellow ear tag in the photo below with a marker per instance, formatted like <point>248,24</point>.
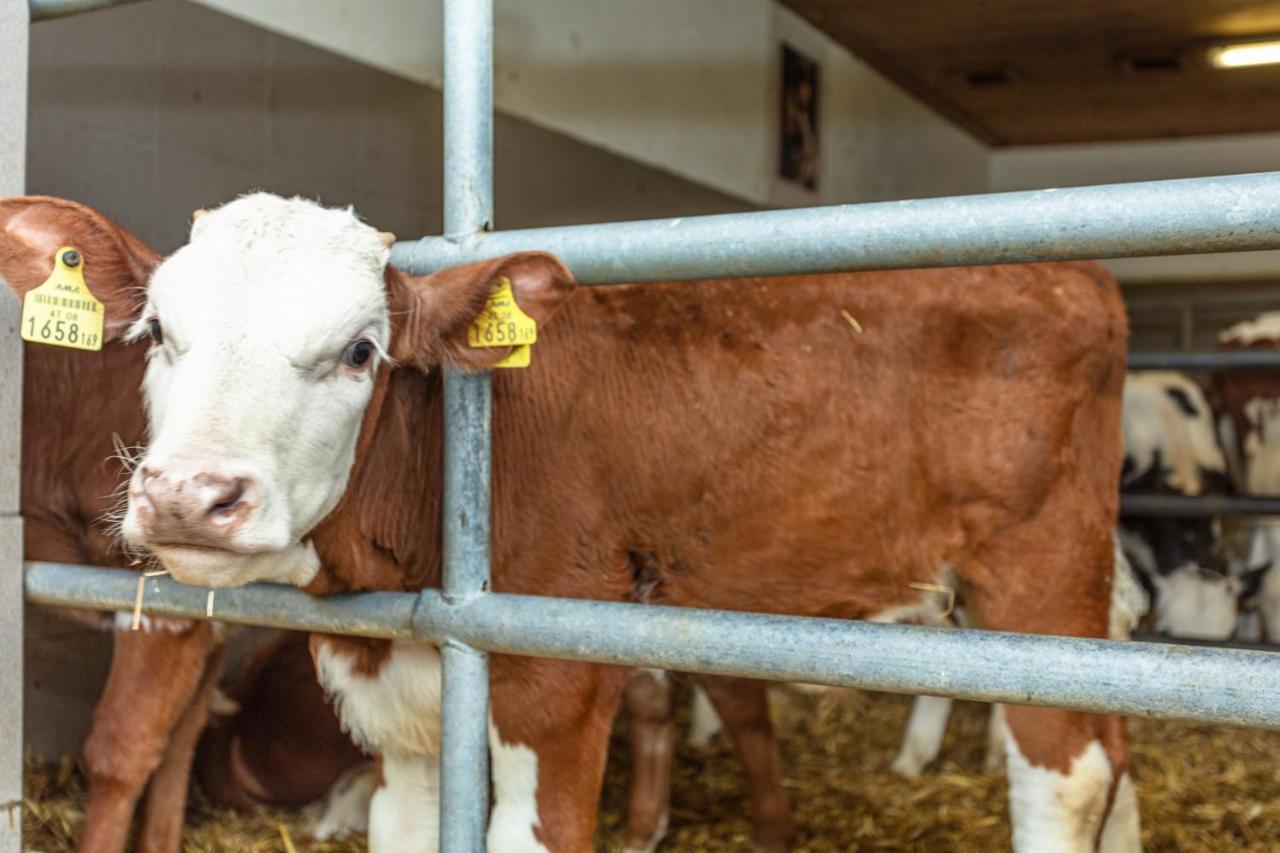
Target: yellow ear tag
<point>62,312</point>
<point>503,324</point>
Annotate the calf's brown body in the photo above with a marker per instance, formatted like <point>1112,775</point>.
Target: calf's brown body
<point>810,445</point>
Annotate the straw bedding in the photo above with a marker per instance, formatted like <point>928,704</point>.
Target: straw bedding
<point>1202,788</point>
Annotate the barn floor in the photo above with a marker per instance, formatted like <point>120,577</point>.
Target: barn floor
<point>1202,788</point>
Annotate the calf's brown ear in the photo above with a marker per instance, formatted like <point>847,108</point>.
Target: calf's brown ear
<point>117,265</point>
<point>431,314</point>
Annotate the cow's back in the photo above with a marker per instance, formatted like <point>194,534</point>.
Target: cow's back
<point>702,434</point>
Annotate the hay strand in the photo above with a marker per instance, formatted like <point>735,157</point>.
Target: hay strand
<point>137,603</point>
<point>853,323</point>
<point>284,837</point>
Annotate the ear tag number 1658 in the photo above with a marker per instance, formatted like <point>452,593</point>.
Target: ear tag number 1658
<point>62,312</point>
<point>502,323</point>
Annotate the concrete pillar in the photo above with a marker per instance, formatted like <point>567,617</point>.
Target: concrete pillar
<point>14,27</point>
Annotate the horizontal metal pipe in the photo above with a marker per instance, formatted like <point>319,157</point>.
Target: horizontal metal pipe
<point>372,614</point>
<point>1230,360</point>
<point>1220,214</point>
<point>1180,506</point>
<point>1140,679</point>
<point>1143,679</point>
<point>43,10</point>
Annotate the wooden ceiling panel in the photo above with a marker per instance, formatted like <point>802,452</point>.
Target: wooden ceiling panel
<point>1018,72</point>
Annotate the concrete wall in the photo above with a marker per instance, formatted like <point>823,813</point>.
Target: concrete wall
<point>689,87</point>
<point>150,111</point>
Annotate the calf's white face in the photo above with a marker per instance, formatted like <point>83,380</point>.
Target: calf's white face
<point>267,329</point>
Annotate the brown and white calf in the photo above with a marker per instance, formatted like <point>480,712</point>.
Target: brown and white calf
<point>727,444</point>
<point>1250,429</point>
<point>80,410</point>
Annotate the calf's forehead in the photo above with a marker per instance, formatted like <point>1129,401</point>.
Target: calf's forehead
<point>216,287</point>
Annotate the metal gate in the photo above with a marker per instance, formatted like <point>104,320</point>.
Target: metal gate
<point>1232,213</point>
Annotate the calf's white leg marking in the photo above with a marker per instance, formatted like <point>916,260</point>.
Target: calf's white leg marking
<point>515,797</point>
<point>395,713</point>
<point>404,814</point>
<point>1056,812</point>
<point>1123,832</point>
<point>923,740</point>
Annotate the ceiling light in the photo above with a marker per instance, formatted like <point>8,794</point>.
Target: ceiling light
<point>1245,54</point>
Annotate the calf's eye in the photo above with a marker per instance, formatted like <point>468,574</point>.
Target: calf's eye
<point>154,330</point>
<point>358,353</point>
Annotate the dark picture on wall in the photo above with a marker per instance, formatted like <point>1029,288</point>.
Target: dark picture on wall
<point>798,160</point>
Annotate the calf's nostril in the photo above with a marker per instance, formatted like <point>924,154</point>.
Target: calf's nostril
<point>228,498</point>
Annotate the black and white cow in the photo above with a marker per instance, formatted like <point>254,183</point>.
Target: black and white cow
<point>1171,448</point>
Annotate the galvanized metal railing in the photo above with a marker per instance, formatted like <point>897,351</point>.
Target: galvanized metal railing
<point>1146,679</point>
<point>1186,216</point>
<point>468,210</point>
<point>1160,217</point>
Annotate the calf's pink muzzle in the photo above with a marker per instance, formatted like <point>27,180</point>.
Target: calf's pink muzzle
<point>185,503</point>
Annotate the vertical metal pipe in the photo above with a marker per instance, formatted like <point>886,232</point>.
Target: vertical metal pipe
<point>468,117</point>
<point>468,208</point>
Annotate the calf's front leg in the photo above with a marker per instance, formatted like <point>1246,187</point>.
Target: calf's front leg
<point>166,802</point>
<point>548,743</point>
<point>154,674</point>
